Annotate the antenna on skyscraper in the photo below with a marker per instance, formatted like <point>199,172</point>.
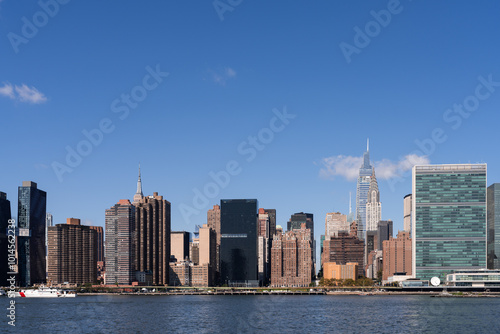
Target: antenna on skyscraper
<point>350,207</point>
<point>367,144</point>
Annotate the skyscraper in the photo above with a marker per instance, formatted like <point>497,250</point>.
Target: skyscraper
<point>49,221</point>
<point>152,238</point>
<point>397,255</point>
<point>264,246</point>
<point>72,253</point>
<point>295,223</point>
<point>407,207</point>
<point>291,258</point>
<point>120,239</point>
<point>365,173</point>
<point>100,242</point>
<point>179,245</point>
<point>204,273</point>
<point>384,232</point>
<point>5,215</point>
<point>335,222</point>
<point>449,219</point>
<point>373,205</point>
<point>238,249</point>
<point>213,221</point>
<point>343,249</point>
<point>494,226</point>
<point>31,212</point>
<point>272,221</point>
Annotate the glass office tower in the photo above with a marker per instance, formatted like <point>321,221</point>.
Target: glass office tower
<point>31,212</point>
<point>449,219</point>
<point>494,226</point>
<point>363,185</point>
<point>238,248</point>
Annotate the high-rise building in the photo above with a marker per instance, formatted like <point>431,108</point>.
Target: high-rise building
<point>266,229</point>
<point>384,232</point>
<point>238,249</point>
<point>363,185</point>
<point>271,213</point>
<point>207,257</point>
<point>213,221</point>
<point>5,216</point>
<point>335,222</point>
<point>72,253</point>
<point>407,207</point>
<point>295,223</point>
<point>494,226</point>
<point>371,242</point>
<point>291,258</point>
<point>120,243</point>
<point>297,219</point>
<point>373,205</point>
<point>100,242</point>
<point>31,212</point>
<point>343,249</point>
<point>397,255</point>
<point>179,245</point>
<point>49,221</point>
<point>373,264</point>
<point>449,219</point>
<point>152,242</point>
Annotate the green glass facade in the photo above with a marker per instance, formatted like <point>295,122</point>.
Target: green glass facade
<point>449,226</point>
<point>494,226</point>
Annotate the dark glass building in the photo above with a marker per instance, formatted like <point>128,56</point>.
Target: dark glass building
<point>494,226</point>
<point>5,215</point>
<point>384,232</point>
<point>31,213</point>
<point>238,249</point>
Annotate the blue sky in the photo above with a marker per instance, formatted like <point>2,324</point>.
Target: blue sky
<point>222,76</point>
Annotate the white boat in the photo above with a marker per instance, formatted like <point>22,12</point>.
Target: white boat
<point>45,292</point>
<point>2,292</point>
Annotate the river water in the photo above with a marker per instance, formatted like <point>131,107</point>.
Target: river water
<point>254,314</point>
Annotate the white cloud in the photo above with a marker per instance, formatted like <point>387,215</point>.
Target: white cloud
<point>7,89</point>
<point>30,94</point>
<point>23,93</point>
<point>41,166</point>
<point>348,166</point>
<point>220,77</point>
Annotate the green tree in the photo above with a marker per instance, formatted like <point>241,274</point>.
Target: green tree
<point>379,275</point>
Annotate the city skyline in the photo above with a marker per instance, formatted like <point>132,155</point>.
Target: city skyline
<point>400,91</point>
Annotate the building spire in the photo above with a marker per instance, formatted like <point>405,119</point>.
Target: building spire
<point>367,144</point>
<point>350,206</point>
<point>138,195</point>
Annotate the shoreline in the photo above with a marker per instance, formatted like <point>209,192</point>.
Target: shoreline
<point>301,293</point>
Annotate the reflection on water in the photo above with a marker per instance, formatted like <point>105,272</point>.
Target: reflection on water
<point>251,314</point>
